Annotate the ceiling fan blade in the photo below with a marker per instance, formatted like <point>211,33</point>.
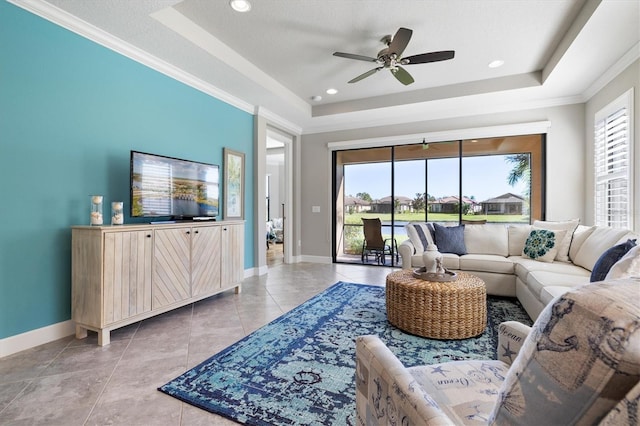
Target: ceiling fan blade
<point>399,41</point>
<point>402,75</point>
<point>353,56</point>
<point>429,57</point>
<point>365,75</point>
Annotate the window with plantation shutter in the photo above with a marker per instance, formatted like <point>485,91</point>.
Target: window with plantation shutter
<point>613,164</point>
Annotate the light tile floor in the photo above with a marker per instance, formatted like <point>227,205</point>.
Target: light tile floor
<point>75,382</point>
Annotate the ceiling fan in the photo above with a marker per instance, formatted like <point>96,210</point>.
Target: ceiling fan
<point>391,57</point>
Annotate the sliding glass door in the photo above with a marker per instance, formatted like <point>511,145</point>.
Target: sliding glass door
<point>494,180</point>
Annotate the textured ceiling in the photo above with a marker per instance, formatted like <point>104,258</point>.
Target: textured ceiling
<point>279,55</point>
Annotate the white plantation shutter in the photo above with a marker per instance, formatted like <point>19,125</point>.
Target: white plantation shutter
<point>613,164</point>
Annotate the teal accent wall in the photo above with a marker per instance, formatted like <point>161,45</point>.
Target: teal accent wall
<point>70,113</point>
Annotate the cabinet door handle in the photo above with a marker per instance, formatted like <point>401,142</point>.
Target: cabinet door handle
<point>224,229</point>
<point>148,235</point>
<point>196,232</point>
<point>188,232</point>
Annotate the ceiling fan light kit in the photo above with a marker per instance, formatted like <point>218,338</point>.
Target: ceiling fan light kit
<point>391,57</point>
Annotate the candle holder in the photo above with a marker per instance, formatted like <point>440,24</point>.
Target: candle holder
<point>96,210</point>
<point>117,215</point>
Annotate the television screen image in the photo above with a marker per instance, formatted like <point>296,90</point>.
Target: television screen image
<point>165,186</point>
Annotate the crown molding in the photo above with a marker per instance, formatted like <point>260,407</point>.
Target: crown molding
<point>621,64</point>
<point>277,121</point>
<point>534,127</point>
<point>84,29</point>
<point>441,110</point>
<point>339,122</point>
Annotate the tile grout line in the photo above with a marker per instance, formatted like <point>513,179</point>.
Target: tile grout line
<point>186,362</point>
<point>106,383</point>
<point>30,381</point>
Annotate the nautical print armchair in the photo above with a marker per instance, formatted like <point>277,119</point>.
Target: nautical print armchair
<point>578,364</point>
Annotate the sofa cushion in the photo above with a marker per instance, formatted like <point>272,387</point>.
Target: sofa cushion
<point>487,239</point>
<point>542,244</point>
<point>609,258</point>
<point>449,261</point>
<point>627,266</point>
<point>579,237</point>
<point>420,234</point>
<point>601,239</point>
<point>569,226</point>
<point>523,266</point>
<point>550,292</point>
<point>486,263</point>
<point>537,280</point>
<point>465,390</point>
<point>517,237</point>
<point>450,239</point>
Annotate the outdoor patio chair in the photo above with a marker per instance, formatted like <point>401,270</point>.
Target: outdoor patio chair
<point>374,244</point>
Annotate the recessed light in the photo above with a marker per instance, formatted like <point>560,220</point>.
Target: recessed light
<point>332,91</point>
<point>316,98</point>
<point>497,63</point>
<point>240,5</point>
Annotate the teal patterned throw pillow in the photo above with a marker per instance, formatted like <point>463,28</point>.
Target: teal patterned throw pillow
<point>542,244</point>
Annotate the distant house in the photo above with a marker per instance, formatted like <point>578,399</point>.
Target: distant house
<point>356,205</point>
<point>504,204</point>
<point>385,205</point>
<point>450,204</point>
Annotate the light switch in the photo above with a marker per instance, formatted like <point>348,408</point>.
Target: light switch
<point>315,209</point>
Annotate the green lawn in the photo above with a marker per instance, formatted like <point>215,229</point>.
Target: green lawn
<point>353,234</point>
<point>355,218</point>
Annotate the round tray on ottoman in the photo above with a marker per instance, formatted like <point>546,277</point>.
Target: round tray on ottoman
<point>439,310</point>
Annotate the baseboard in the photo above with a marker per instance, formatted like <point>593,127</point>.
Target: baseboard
<point>33,338</point>
<point>251,272</point>
<point>258,271</point>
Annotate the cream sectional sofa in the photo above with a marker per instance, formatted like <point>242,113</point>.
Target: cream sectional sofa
<point>494,252</point>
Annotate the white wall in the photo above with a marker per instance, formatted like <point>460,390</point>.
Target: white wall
<point>569,188</point>
<point>565,195</point>
<point>277,191</point>
<point>624,81</point>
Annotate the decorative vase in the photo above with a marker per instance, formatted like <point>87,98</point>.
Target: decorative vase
<point>432,258</point>
<point>96,210</point>
<point>117,215</point>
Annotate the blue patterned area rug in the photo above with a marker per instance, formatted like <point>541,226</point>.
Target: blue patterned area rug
<point>300,368</point>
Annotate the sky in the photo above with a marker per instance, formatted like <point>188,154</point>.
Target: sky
<point>483,178</point>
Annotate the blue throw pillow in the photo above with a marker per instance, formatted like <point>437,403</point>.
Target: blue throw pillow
<point>450,239</point>
<point>609,258</point>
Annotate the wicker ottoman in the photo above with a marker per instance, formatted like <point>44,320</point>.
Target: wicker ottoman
<point>439,310</point>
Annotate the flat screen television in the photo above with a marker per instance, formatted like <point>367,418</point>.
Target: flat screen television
<point>170,187</point>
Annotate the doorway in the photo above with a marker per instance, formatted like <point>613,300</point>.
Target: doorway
<point>277,196</point>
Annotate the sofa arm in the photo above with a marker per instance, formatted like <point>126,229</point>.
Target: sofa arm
<point>511,336</point>
<point>406,250</point>
<point>386,391</point>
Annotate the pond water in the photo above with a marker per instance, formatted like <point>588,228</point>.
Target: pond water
<point>398,228</point>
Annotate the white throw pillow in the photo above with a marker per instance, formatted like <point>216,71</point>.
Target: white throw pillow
<point>580,235</point>
<point>517,236</point>
<point>487,239</point>
<point>542,244</point>
<point>627,266</point>
<point>569,226</point>
<point>420,235</point>
<point>601,239</point>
